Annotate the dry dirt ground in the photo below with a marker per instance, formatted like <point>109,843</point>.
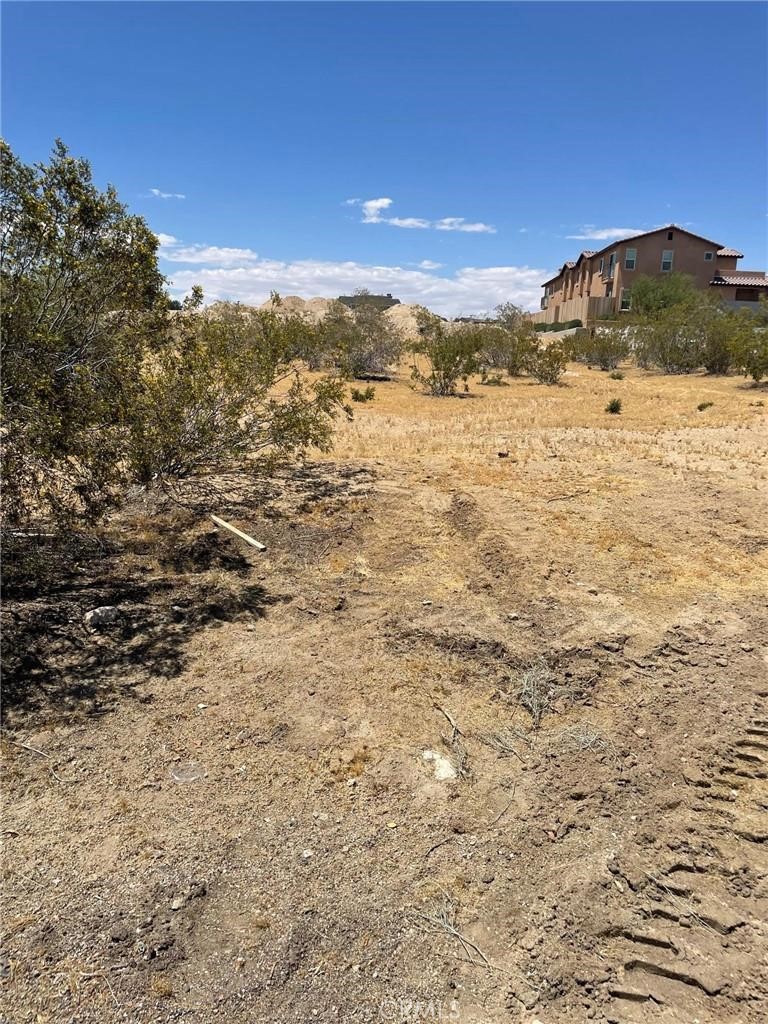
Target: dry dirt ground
<point>218,807</point>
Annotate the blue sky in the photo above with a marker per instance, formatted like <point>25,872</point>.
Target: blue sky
<point>498,132</point>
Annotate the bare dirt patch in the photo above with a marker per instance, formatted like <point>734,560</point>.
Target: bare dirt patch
<point>218,805</point>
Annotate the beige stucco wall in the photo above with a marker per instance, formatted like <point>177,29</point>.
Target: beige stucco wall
<point>585,281</point>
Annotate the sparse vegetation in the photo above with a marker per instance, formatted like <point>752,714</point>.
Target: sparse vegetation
<point>361,342</point>
<point>704,405</point>
<point>614,406</point>
<point>538,691</point>
<point>547,363</point>
<point>451,354</point>
<point>507,342</point>
<point>616,375</point>
<point>600,346</point>
<point>363,394</point>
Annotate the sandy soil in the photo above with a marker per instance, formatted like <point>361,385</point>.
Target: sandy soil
<point>218,807</point>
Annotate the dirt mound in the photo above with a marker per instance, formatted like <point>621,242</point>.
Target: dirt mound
<point>405,317</point>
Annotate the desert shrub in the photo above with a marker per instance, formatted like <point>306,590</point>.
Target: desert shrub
<point>505,344</point>
<point>546,363</point>
<point>451,354</point>
<point>82,300</point>
<point>228,390</point>
<point>102,386</point>
<point>704,405</point>
<point>363,394</point>
<point>672,339</point>
<point>749,344</point>
<point>361,342</point>
<point>494,380</point>
<point>616,375</point>
<point>614,406</point>
<point>603,347</point>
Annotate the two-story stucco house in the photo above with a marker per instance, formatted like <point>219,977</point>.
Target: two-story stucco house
<point>599,283</point>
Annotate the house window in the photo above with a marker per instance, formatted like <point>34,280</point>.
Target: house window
<point>708,257</point>
<point>600,268</point>
<point>670,235</point>
<point>630,259</point>
<point>746,295</point>
<point>625,302</point>
<point>609,291</point>
<point>611,264</point>
<point>666,259</point>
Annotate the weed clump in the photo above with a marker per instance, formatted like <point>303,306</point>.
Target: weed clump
<point>363,394</point>
<point>704,405</point>
<point>538,691</point>
<point>614,406</point>
<point>616,375</point>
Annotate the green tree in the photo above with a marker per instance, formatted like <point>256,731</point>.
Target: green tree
<point>81,298</point>
<point>651,295</point>
<point>451,354</point>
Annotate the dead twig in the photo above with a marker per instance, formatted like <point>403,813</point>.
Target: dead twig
<point>501,815</point>
<point>26,746</point>
<point>86,976</point>
<point>503,742</point>
<point>444,920</point>
<point>437,846</point>
<point>451,720</point>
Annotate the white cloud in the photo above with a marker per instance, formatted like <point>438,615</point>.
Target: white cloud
<point>408,222</point>
<point>372,214</point>
<point>174,251</point>
<point>372,210</point>
<point>470,290</point>
<point>429,265</point>
<point>460,224</point>
<point>523,231</point>
<point>589,231</point>
<point>155,193</point>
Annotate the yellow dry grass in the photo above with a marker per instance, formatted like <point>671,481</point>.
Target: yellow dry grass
<point>658,503</point>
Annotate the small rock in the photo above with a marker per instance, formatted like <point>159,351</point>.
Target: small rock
<point>120,933</point>
<point>306,854</point>
<point>444,768</point>
<point>178,902</point>
<point>640,732</point>
<point>102,616</point>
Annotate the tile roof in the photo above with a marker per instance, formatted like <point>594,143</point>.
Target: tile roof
<point>742,278</point>
<point>730,252</point>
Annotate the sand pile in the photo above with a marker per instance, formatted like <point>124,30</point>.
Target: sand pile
<point>314,309</point>
<point>405,317</point>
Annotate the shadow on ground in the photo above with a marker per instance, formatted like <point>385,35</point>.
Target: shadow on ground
<point>55,663</point>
